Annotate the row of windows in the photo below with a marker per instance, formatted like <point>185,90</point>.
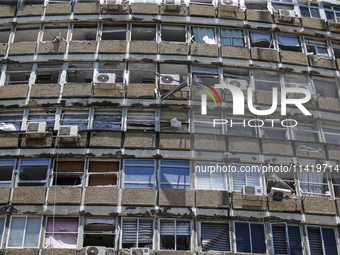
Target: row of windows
<point>171,174</point>
<point>173,234</point>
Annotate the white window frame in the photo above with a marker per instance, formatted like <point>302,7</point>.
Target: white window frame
<point>231,37</point>
<point>322,238</point>
<point>103,173</point>
<point>154,172</point>
<point>261,182</point>
<point>309,7</point>
<point>308,185</point>
<point>335,12</point>
<point>102,232</point>
<point>98,111</point>
<point>56,173</point>
<point>85,24</point>
<point>34,163</point>
<point>3,231</point>
<point>225,174</point>
<point>10,183</point>
<point>192,36</point>
<point>113,31</point>
<point>75,112</point>
<point>175,166</point>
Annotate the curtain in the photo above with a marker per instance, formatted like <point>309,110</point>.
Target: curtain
<point>204,35</point>
<point>257,37</point>
<point>315,177</point>
<point>232,37</point>
<point>288,41</point>
<point>62,225</point>
<point>65,241</point>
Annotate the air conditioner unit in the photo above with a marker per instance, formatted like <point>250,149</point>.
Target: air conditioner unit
<point>242,84</point>
<point>113,2</point>
<point>68,133</point>
<point>36,130</point>
<point>229,5</point>
<point>252,190</point>
<point>140,251</point>
<point>105,78</point>
<point>280,195</point>
<point>287,15</point>
<point>169,79</point>
<point>95,250</point>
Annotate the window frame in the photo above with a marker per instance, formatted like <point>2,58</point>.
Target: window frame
<point>154,172</point>
<point>309,6</point>
<point>10,183</point>
<point>103,173</point>
<point>225,174</point>
<point>232,37</point>
<point>192,35</point>
<point>17,181</point>
<point>322,238</point>
<point>187,187</point>
<point>261,182</point>
<point>56,173</point>
<point>3,231</point>
<point>108,112</point>
<point>101,232</point>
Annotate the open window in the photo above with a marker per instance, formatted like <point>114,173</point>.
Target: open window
<point>309,9</point>
<point>107,119</point>
<point>281,180</point>
<point>214,236</point>
<point>290,43</point>
<point>205,74</point>
<point>114,69</point>
<point>48,73</point>
<point>139,173</point>
<point>113,31</point>
<point>99,232</point>
<point>326,87</point>
<point>55,32</point>
<point>322,240</point>
<point>103,173</point>
<point>336,48</point>
<point>332,12</point>
<point>142,73</point>
<point>175,174</point>
<point>175,234</point>
<point>78,118</point>
<point>5,32</point>
<point>317,47</point>
<point>313,183</point>
<point>6,169</point>
<point>141,120</point>
<point>250,237</point>
<point>237,77</point>
<point>61,232</point>
<point>262,40</point>
<point>251,177</point>
<point>286,239</point>
<point>18,74</point>
<point>33,172</point>
<point>256,4</point>
<point>173,33</point>
<point>80,72</point>
<point>210,176</point>
<point>10,121</point>
<point>84,32</point>
<point>266,80</point>
<point>68,173</point>
<point>331,131</point>
<point>143,32</point>
<point>174,121</point>
<point>46,115</point>
<point>282,4</point>
<point>203,35</point>
<point>26,33</point>
<point>137,232</point>
<point>9,2</point>
<point>232,37</point>
<point>306,130</point>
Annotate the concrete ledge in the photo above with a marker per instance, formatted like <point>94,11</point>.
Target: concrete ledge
<point>264,54</point>
<point>118,46</point>
<point>164,252</point>
<point>52,47</point>
<point>14,91</point>
<point>293,57</point>
<point>64,195</point>
<point>204,49</point>
<point>225,14</point>
<point>139,196</point>
<point>81,143</point>
<point>277,147</point>
<point>310,150</point>
<point>141,90</point>
<point>4,195</point>
<point>7,11</point>
<point>19,48</point>
<point>318,61</point>
<point>45,91</point>
<point>83,47</point>
<point>291,205</point>
<point>313,23</point>
<point>259,15</point>
<point>30,10</point>
<point>319,205</point>
<point>144,8</point>
<point>234,52</point>
<point>116,9</point>
<point>244,145</point>
<point>58,9</point>
<point>143,47</point>
<point>293,22</point>
<point>77,90</point>
<point>329,104</point>
<point>176,197</point>
<point>140,140</point>
<point>9,140</point>
<point>29,195</point>
<point>209,142</point>
<point>174,48</point>
<point>37,143</point>
<point>181,11</point>
<point>333,152</point>
<point>3,48</point>
<point>106,139</point>
<point>109,90</point>
<point>202,10</point>
<point>246,202</point>
<point>174,141</point>
<point>97,195</point>
<point>59,252</point>
<point>27,251</point>
<point>212,198</point>
<point>333,26</point>
<point>86,8</point>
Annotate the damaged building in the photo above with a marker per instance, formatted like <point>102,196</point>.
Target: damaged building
<point>104,147</point>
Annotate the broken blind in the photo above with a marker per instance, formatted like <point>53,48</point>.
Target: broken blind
<point>215,237</point>
<point>137,233</point>
<point>76,118</point>
<point>141,120</point>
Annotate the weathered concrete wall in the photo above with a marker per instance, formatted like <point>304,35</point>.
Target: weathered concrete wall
<point>143,47</point>
<point>4,194</point>
<point>21,251</point>
<point>333,26</point>
<point>37,143</point>
<point>293,57</point>
<point>225,14</point>
<point>30,10</point>
<point>329,104</point>
<point>176,197</point>
<point>180,94</point>
<point>8,140</point>
<point>165,252</point>
<point>293,22</point>
<point>311,104</point>
<point>84,8</point>
<point>256,203</point>
<point>266,97</point>
<point>19,48</point>
<point>319,205</point>
<point>139,196</point>
<point>258,15</point>
<point>140,140</point>
<point>244,145</point>
<point>141,90</point>
<point>45,90</point>
<point>101,195</point>
<point>176,48</point>
<point>318,61</point>
<point>333,152</point>
<point>52,47</point>
<point>82,47</point>
<point>234,52</point>
<point>174,141</point>
<point>204,49</point>
<point>201,10</point>
<point>291,205</point>
<point>81,142</point>
<point>29,195</point>
<point>109,90</point>
<point>59,252</point>
<point>14,91</point>
<point>181,11</point>
<point>58,9</point>
<point>7,11</point>
<point>264,54</point>
<point>3,48</point>
<point>310,150</point>
<point>116,46</point>
<point>77,90</point>
<point>116,9</point>
<point>277,147</point>
<point>144,8</point>
<point>209,142</point>
<point>314,23</point>
<point>212,198</point>
<point>64,195</point>
<point>106,139</point>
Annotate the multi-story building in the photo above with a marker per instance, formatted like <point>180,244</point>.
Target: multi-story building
<point>103,142</point>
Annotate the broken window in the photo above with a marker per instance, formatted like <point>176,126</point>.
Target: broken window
<point>115,70</point>
<point>262,40</point>
<point>26,33</point>
<point>47,115</point>
<point>80,72</point>
<point>142,73</point>
<point>84,32</point>
<point>336,184</point>
<point>175,174</point>
<point>173,33</point>
<point>317,47</point>
<point>33,172</point>
<point>308,9</point>
<point>75,118</point>
<point>256,4</point>
<point>331,131</point>
<point>6,169</point>
<point>103,173</point>
<point>237,77</point>
<point>281,180</point>
<point>174,121</point>
<point>249,178</point>
<point>99,232</point>
<point>206,75</point>
<point>10,121</point>
<point>272,129</point>
<point>290,43</point>
<point>139,173</point>
<point>107,119</point>
<point>234,37</point>
<point>18,74</point>
<point>203,35</point>
<point>332,12</point>
<point>137,232</point>
<point>143,32</point>
<point>141,120</point>
<point>5,32</point>
<point>266,80</point>
<point>282,4</point>
<point>68,173</point>
<point>322,240</point>
<point>24,232</point>
<point>48,73</point>
<point>55,32</point>
<point>205,123</point>
<point>306,130</point>
<point>61,233</point>
<point>175,234</point>
<point>210,176</point>
<point>113,31</point>
<point>214,236</point>
<point>336,48</point>
<point>250,237</point>
<point>325,87</point>
<point>286,239</point>
<point>313,183</point>
<point>9,2</point>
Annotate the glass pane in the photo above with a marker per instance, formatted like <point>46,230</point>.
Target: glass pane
<point>16,234</point>
<point>32,232</point>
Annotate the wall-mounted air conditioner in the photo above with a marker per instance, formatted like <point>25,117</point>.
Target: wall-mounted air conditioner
<point>280,195</point>
<point>95,250</point>
<point>36,130</point>
<point>113,2</point>
<point>252,190</point>
<point>105,78</point>
<point>140,251</point>
<point>68,133</point>
<point>229,5</point>
<point>287,15</point>
<point>169,79</point>
<point>242,84</point>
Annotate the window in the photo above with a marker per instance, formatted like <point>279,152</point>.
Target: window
<point>250,237</point>
<point>322,240</point>
<point>309,9</point>
<point>77,118</point>
<point>143,33</point>
<point>273,129</point>
<point>298,81</point>
<point>142,73</point>
<point>10,121</point>
<point>336,48</point>
<point>331,132</point>
<point>47,74</point>
<point>174,121</point>
<point>6,169</point>
<point>33,2</point>
<point>237,126</point>
<point>61,233</point>
<point>33,172</point>
<point>205,2</point>
<point>2,228</point>
<point>332,12</point>
<point>175,174</point>
<point>262,40</point>
<point>84,32</point>
<point>26,33</point>
<point>336,184</point>
<point>24,232</point>
<point>250,178</point>
<point>214,236</point>
<point>137,232</point>
<point>286,239</point>
<point>175,234</point>
<point>325,87</point>
<point>55,32</point>
<point>205,123</point>
<point>68,173</point>
<point>306,130</point>
<point>47,116</point>
<point>289,43</point>
<point>282,4</point>
<point>266,80</point>
<point>232,37</point>
<point>141,120</point>
<point>139,173</point>
<point>317,47</point>
<point>112,31</point>
<point>203,35</point>
<point>5,31</point>
<point>205,74</point>
<point>18,74</point>
<point>173,33</point>
<point>313,183</point>
<point>256,5</point>
<point>210,176</point>
<point>103,173</point>
<point>80,72</point>
<point>116,68</point>
<point>282,180</point>
<point>107,119</point>
<point>99,232</point>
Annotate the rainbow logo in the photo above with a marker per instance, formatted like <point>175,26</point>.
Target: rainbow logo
<point>209,93</point>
